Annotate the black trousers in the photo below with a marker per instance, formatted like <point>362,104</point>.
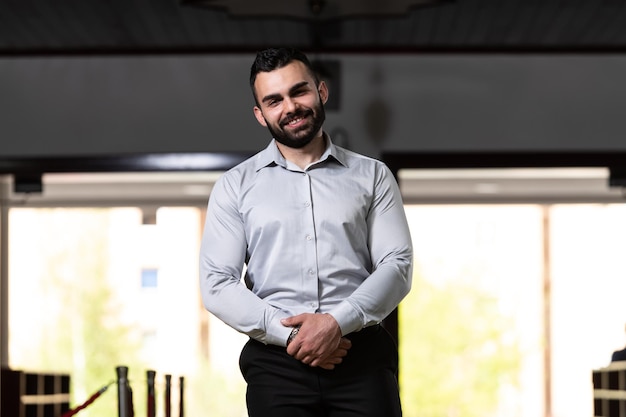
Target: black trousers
<point>365,384</point>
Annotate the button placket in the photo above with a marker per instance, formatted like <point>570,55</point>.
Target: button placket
<point>310,267</point>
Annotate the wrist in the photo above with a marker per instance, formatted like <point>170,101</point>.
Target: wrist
<point>293,334</point>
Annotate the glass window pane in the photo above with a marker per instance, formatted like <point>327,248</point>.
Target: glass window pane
<point>470,330</point>
<point>588,308</point>
<point>149,277</point>
<point>77,306</point>
<point>473,330</point>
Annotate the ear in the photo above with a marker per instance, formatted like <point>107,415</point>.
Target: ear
<point>259,116</point>
<point>323,91</point>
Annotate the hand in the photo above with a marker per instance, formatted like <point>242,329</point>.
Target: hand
<point>319,341</point>
<point>337,356</point>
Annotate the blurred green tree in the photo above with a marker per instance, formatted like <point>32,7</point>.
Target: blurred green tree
<point>456,351</point>
<point>88,339</point>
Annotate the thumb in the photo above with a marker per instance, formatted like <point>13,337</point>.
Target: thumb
<point>292,321</point>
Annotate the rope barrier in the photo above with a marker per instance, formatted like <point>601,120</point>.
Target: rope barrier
<point>125,395</point>
<point>89,401</point>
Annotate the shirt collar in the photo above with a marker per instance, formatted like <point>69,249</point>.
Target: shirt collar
<point>271,156</point>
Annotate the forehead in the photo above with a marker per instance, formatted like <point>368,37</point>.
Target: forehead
<point>280,80</point>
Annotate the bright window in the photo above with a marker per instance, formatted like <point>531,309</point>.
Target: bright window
<point>504,295</point>
<point>494,286</point>
<point>76,307</point>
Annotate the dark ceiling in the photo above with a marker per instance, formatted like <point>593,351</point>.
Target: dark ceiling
<point>40,27</point>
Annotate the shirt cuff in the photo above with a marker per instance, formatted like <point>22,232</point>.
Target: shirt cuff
<point>276,333</point>
<point>348,317</point>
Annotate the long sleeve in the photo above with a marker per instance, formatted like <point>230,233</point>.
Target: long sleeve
<point>390,247</point>
<point>222,257</point>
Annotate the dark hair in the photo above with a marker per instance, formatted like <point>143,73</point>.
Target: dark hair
<point>273,58</point>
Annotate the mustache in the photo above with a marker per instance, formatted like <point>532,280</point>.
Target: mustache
<point>296,115</point>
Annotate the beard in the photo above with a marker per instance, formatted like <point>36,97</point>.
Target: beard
<point>304,135</point>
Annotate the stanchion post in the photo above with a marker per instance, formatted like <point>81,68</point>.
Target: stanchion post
<point>151,375</point>
<point>181,402</point>
<point>168,395</point>
<point>124,393</point>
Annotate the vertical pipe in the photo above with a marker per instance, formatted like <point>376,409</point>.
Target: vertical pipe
<point>168,398</point>
<point>181,397</point>
<point>547,312</point>
<point>124,394</point>
<point>151,399</point>
<point>4,273</point>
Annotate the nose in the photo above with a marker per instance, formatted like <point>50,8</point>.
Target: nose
<point>289,105</point>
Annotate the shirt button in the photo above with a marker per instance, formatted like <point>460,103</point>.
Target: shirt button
<point>308,237</point>
<point>307,204</point>
<point>311,272</point>
<point>314,305</point>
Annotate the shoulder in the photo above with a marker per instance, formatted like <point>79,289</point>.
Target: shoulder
<point>372,174</point>
<point>356,160</point>
<point>242,171</point>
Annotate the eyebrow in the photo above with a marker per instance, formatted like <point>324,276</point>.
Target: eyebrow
<point>293,89</point>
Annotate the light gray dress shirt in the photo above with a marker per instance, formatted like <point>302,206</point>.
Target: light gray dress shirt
<point>332,238</point>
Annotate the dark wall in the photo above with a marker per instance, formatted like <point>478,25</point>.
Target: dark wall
<point>64,106</point>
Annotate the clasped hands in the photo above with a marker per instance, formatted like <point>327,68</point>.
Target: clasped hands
<point>319,342</point>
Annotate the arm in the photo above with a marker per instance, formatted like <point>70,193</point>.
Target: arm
<point>222,256</point>
<point>391,253</point>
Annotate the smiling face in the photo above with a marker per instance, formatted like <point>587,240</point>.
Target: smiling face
<point>290,104</point>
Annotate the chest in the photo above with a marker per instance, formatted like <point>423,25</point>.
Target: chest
<point>282,198</point>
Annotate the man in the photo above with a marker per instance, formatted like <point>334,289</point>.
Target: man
<point>324,238</point>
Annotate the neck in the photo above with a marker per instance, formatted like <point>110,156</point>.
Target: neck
<point>306,155</point>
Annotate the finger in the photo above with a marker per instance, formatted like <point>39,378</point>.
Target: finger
<point>315,362</point>
<point>345,343</point>
<point>328,363</point>
<point>333,360</point>
<point>293,349</point>
<point>299,355</point>
<point>291,321</point>
<point>318,360</point>
<point>340,353</point>
<point>305,357</point>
